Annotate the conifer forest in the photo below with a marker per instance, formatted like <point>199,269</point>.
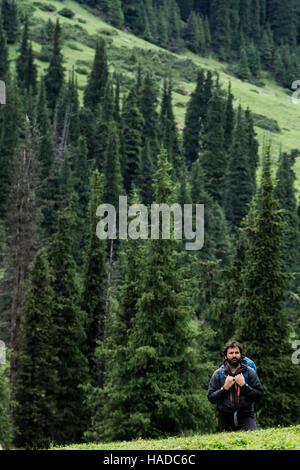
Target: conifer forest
<point>116,337</point>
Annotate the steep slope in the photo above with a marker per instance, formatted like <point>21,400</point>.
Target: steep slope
<point>125,51</point>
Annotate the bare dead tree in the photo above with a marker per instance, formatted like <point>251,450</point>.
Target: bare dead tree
<point>21,236</point>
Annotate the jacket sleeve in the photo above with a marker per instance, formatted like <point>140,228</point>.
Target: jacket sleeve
<point>215,394</point>
<point>254,389</point>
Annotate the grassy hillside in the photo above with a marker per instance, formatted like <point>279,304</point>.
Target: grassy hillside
<point>125,51</point>
<point>269,439</point>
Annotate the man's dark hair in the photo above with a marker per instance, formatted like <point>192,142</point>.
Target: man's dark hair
<point>232,344</point>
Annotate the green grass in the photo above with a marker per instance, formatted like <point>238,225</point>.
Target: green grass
<point>271,100</point>
<point>268,439</point>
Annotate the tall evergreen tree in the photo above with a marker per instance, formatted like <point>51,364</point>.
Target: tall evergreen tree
<point>35,413</point>
<point>113,184</point>
<point>239,189</point>
<point>286,195</point>
<point>168,127</point>
<point>70,337</point>
<point>98,77</point>
<point>10,20</point>
<point>54,77</point>
<point>191,134</point>
<point>214,159</point>
<point>4,64</point>
<point>162,389</point>
<point>94,285</point>
<point>262,325</point>
<point>132,128</point>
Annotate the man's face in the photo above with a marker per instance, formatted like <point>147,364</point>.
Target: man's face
<point>233,356</point>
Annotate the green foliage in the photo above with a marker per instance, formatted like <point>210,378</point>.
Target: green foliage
<point>262,325</point>
<point>54,77</point>
<point>6,429</point>
<point>98,78</point>
<point>35,410</point>
<point>69,335</point>
<point>66,12</point>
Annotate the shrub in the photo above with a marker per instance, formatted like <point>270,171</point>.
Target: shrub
<point>45,6</point>
<point>266,123</point>
<point>67,13</point>
<point>81,71</point>
<point>74,46</point>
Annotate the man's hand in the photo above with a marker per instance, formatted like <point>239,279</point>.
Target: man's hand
<point>228,382</point>
<point>240,380</point>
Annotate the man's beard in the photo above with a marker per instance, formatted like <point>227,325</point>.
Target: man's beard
<point>234,361</point>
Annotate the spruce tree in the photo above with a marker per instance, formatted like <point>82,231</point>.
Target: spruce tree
<point>98,77</point>
<point>132,127</point>
<point>239,189</point>
<point>160,387</point>
<point>9,139</point>
<point>220,25</point>
<point>262,325</point>
<point>94,285</point>
<point>191,134</point>
<point>21,62</point>
<point>286,195</point>
<point>169,132</point>
<point>4,64</point>
<point>229,120</point>
<point>35,413</point>
<point>10,20</point>
<point>54,77</point>
<point>113,183</point>
<point>148,107</point>
<point>214,159</point>
<point>69,332</point>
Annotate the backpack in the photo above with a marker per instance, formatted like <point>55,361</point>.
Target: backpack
<point>251,364</point>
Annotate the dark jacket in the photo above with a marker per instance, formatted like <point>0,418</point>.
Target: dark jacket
<point>236,398</point>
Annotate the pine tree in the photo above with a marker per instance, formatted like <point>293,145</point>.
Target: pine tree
<point>4,64</point>
<point>54,77</point>
<point>35,413</point>
<point>10,20</point>
<point>148,107</point>
<point>6,428</point>
<point>229,120</point>
<point>81,174</point>
<point>115,14</point>
<point>191,134</point>
<point>9,138</point>
<point>168,127</point>
<point>239,189</point>
<point>159,388</point>
<point>146,175</point>
<point>267,47</point>
<point>132,128</point>
<point>21,231</point>
<point>94,285</point>
<point>220,25</point>
<point>69,332</point>
<point>113,184</point>
<point>262,325</point>
<point>252,145</point>
<point>285,193</point>
<point>243,67</point>
<point>98,77</point>
<point>214,159</point>
<point>21,62</point>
